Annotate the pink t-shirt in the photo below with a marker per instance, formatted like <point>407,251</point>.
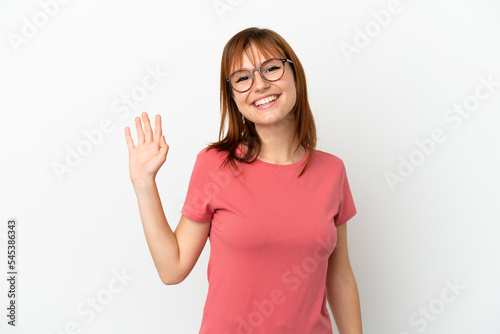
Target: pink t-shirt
<point>270,240</point>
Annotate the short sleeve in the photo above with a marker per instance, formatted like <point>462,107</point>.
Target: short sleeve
<point>346,209</point>
<point>198,203</point>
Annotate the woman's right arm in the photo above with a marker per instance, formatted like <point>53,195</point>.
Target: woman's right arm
<point>174,253</point>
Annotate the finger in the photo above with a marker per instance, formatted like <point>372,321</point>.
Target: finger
<point>128,138</point>
<point>163,145</point>
<point>158,132</point>
<point>163,142</point>
<point>147,128</point>
<point>140,133</point>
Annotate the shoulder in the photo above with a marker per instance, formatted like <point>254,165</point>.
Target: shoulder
<point>210,154</point>
<point>328,160</point>
<point>330,166</point>
<point>211,158</point>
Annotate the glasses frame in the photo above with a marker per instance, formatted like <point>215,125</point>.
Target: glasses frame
<point>228,80</point>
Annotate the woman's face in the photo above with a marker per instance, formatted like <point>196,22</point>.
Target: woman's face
<point>284,89</point>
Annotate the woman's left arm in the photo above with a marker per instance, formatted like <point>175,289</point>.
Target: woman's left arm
<point>342,290</point>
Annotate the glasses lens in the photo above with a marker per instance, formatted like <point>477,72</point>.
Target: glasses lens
<point>241,80</point>
<point>272,69</point>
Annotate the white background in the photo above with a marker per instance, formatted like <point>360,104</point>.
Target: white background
<point>76,231</point>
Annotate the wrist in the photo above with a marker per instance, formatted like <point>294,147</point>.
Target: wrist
<point>143,182</point>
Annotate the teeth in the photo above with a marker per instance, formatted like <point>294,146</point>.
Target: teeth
<point>265,100</point>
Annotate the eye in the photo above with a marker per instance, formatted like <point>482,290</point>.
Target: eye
<point>272,68</point>
<point>240,76</point>
<point>241,79</point>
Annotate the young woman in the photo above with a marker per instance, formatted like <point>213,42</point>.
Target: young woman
<point>273,207</point>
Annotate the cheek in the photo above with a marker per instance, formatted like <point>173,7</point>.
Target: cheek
<point>292,93</point>
<point>240,101</point>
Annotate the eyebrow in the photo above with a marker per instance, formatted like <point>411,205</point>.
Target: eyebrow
<point>247,68</point>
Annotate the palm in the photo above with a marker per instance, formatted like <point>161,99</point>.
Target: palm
<point>148,156</point>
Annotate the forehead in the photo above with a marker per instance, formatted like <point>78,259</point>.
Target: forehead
<point>252,56</point>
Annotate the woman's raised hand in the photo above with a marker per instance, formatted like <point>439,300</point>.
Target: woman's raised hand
<point>148,156</point>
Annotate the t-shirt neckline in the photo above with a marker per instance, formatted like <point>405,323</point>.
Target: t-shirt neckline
<point>301,161</point>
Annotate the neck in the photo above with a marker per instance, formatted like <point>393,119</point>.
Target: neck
<point>279,143</point>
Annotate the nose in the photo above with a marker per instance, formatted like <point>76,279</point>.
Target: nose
<point>259,82</point>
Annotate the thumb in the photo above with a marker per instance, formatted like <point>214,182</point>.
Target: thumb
<point>163,142</point>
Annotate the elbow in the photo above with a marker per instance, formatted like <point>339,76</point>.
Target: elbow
<point>169,280</point>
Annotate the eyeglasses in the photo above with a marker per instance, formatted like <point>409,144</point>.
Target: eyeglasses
<point>271,69</point>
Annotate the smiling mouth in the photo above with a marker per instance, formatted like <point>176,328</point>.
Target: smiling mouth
<point>266,101</point>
